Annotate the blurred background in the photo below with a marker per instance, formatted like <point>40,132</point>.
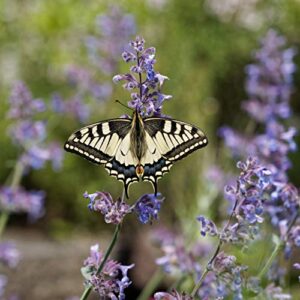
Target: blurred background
<point>66,52</point>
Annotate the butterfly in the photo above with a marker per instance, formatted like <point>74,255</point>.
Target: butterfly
<point>137,148</point>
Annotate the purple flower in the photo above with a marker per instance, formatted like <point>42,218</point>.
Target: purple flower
<point>111,281</point>
<point>116,28</point>
<point>143,81</point>
<point>174,295</point>
<point>27,132</point>
<point>73,106</point>
<point>207,226</point>
<point>17,200</point>
<point>113,211</point>
<point>22,105</point>
<point>9,255</point>
<point>275,292</point>
<point>224,262</point>
<point>177,259</point>
<point>148,207</point>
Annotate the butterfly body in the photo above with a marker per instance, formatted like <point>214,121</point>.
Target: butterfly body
<point>138,148</point>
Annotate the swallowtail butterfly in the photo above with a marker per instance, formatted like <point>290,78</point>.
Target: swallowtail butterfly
<point>137,148</point>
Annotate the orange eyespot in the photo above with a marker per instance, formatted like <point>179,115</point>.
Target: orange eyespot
<point>139,170</point>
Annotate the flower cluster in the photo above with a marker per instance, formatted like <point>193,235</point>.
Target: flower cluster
<point>113,29</point>
<point>18,200</point>
<point>116,27</point>
<point>9,255</point>
<point>177,260</point>
<point>225,278</point>
<point>146,207</point>
<point>113,211</point>
<point>269,86</point>
<point>31,134</point>
<point>174,295</point>
<point>142,80</point>
<point>111,281</point>
<point>247,199</point>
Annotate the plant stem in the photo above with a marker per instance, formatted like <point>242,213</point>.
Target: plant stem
<point>151,285</point>
<point>15,182</point>
<point>88,289</point>
<point>17,175</point>
<point>207,269</point>
<point>3,220</point>
<point>176,285</point>
<point>270,260</point>
<point>220,244</point>
<point>277,248</point>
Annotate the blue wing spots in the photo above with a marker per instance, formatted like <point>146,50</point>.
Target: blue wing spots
<point>152,169</point>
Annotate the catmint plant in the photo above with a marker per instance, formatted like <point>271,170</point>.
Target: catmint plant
<point>269,86</point>
<point>28,133</point>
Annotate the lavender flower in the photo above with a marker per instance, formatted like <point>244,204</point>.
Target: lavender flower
<point>22,104</point>
<point>269,86</point>
<point>111,281</point>
<point>74,107</point>
<point>148,207</point>
<point>113,211</point>
<point>30,134</point>
<point>115,28</point>
<point>274,292</point>
<point>9,255</point>
<point>177,259</point>
<point>17,200</point>
<point>225,278</point>
<point>207,226</point>
<point>174,295</point>
<point>148,99</point>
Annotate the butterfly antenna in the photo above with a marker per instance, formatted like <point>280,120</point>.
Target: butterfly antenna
<point>118,101</point>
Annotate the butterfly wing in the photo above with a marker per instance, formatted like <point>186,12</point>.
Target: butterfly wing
<point>107,143</point>
<point>168,140</point>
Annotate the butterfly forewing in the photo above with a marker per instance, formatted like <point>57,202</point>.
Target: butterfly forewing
<point>99,142</point>
<point>173,140</point>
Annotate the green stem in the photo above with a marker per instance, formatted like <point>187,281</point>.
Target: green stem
<point>220,244</point>
<point>3,221</point>
<point>88,289</point>
<point>278,246</point>
<point>207,269</point>
<point>176,285</point>
<point>271,259</point>
<point>17,175</point>
<point>15,182</point>
<point>151,285</point>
